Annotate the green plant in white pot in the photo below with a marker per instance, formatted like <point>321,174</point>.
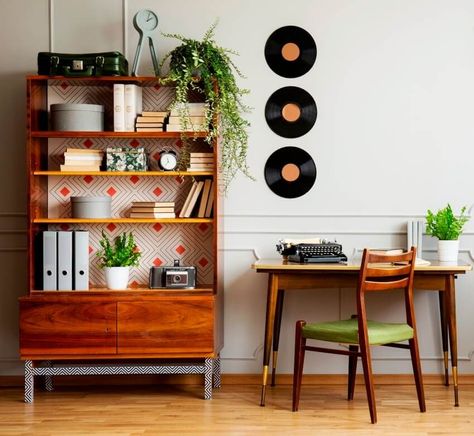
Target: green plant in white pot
<point>447,227</point>
<point>116,258</point>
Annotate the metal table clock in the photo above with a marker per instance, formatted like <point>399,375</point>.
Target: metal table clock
<point>145,22</point>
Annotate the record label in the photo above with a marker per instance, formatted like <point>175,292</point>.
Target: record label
<point>290,51</point>
<point>291,112</point>
<point>290,172</point>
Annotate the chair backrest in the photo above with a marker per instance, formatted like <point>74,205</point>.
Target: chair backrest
<point>384,272</point>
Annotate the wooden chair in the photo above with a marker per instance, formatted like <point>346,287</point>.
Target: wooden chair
<point>379,272</point>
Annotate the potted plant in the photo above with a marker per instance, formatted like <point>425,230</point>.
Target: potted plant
<point>447,227</point>
<point>116,258</point>
<point>206,68</point>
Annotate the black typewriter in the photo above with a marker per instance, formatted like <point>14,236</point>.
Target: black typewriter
<point>311,251</point>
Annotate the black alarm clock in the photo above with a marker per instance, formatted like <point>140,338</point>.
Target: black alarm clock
<point>168,160</point>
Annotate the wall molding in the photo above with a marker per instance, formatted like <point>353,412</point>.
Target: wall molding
<point>125,28</point>
<point>51,24</point>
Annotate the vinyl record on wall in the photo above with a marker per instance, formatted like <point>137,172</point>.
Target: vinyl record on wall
<point>290,51</point>
<point>290,172</point>
<point>291,112</point>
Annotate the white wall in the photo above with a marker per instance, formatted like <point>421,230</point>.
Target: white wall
<point>393,84</point>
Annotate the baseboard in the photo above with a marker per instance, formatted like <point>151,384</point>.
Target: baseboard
<point>233,379</point>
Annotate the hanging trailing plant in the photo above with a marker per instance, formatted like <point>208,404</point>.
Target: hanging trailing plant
<point>204,67</point>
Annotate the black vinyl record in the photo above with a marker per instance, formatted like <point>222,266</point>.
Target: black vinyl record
<point>290,172</point>
<point>291,112</point>
<point>290,51</point>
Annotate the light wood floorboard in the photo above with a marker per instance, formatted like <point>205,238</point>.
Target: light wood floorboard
<point>234,410</point>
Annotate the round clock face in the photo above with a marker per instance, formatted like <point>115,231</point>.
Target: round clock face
<point>145,20</point>
<point>168,160</point>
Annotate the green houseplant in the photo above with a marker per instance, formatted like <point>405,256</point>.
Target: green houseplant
<point>116,257</point>
<point>447,227</point>
<point>204,67</point>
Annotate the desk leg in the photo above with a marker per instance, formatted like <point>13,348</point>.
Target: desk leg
<point>444,334</point>
<point>276,331</point>
<point>269,326</point>
<point>453,342</point>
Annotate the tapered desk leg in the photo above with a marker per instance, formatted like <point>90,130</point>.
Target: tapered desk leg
<point>269,326</point>
<point>276,332</point>
<point>453,341</point>
<point>444,334</point>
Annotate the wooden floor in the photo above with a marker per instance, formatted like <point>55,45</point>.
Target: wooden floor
<point>234,410</point>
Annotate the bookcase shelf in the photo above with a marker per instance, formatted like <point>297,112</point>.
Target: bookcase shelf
<point>137,323</point>
<point>126,173</point>
<point>120,220</point>
<point>107,134</point>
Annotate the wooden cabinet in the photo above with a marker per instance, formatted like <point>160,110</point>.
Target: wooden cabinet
<point>183,325</point>
<point>63,328</point>
<point>140,322</point>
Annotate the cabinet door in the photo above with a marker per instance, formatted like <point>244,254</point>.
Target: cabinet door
<point>177,327</point>
<point>68,328</point>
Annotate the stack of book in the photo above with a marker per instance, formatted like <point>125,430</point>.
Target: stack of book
<point>127,104</point>
<point>199,201</point>
<point>191,117</point>
<point>151,121</point>
<point>201,162</point>
<point>80,159</point>
<point>152,209</point>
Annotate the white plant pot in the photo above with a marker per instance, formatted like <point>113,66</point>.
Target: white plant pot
<point>116,277</point>
<point>448,250</point>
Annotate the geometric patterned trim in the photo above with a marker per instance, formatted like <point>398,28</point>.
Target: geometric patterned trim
<point>50,369</point>
<point>29,381</point>
<point>216,373</point>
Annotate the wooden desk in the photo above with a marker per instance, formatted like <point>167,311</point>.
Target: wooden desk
<point>283,276</point>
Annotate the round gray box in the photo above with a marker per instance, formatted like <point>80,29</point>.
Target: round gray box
<point>77,117</point>
<point>91,207</point>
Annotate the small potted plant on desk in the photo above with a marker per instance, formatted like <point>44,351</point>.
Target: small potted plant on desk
<point>447,227</point>
<point>116,258</point>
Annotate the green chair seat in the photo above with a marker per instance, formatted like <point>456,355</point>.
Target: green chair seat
<point>346,332</point>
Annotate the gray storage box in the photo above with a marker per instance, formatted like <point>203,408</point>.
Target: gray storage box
<point>77,117</point>
<point>91,207</point>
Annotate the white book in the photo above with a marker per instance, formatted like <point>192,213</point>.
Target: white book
<point>189,210</point>
<point>210,202</point>
<point>119,107</point>
<point>133,105</point>
<point>83,156</point>
<point>188,199</point>
<point>193,109</point>
<point>205,195</point>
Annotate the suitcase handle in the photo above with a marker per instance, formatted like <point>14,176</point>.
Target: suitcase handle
<point>88,72</point>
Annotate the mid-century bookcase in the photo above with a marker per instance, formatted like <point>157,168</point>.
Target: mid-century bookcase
<point>135,331</point>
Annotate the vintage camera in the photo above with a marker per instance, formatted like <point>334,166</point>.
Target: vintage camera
<point>173,277</point>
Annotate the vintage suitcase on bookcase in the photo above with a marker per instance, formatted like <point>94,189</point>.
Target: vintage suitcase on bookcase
<point>111,63</point>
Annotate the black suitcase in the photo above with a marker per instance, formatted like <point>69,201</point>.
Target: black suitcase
<point>110,63</point>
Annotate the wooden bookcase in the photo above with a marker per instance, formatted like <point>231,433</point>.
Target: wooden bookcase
<point>135,331</point>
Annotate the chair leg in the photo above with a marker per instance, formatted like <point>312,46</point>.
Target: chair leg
<point>369,382</point>
<point>300,343</point>
<point>352,371</point>
<point>415,360</point>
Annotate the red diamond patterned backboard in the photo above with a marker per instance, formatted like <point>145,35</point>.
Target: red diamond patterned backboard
<point>160,243</point>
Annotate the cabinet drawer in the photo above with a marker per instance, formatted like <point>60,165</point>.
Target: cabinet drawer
<point>68,328</point>
<point>174,327</point>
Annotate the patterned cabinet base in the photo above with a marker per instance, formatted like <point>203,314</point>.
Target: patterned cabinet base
<point>210,368</point>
